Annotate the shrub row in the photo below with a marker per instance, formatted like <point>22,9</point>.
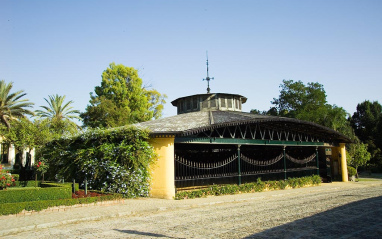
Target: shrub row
<point>59,191</point>
<point>13,208</point>
<point>54,184</point>
<point>216,190</point>
<point>27,183</point>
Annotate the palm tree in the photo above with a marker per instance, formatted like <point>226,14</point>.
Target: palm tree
<point>11,104</point>
<point>60,114</point>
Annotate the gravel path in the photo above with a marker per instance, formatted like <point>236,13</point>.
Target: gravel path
<point>353,210</point>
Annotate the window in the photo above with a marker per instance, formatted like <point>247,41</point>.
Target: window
<point>205,102</point>
<point>195,102</point>
<point>213,102</point>
<point>229,101</point>
<point>222,102</point>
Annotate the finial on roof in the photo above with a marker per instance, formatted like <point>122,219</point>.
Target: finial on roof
<point>208,77</point>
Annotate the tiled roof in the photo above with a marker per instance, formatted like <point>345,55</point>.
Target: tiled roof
<point>190,123</point>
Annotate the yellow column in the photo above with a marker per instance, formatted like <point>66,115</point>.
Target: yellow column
<point>162,173</point>
<point>344,166</point>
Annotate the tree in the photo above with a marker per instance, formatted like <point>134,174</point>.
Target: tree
<point>121,99</point>
<point>365,120</point>
<point>11,104</point>
<point>26,134</point>
<point>309,103</point>
<point>359,156</point>
<point>367,125</point>
<point>299,101</point>
<point>59,114</point>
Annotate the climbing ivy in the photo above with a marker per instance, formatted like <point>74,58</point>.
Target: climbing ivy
<point>113,160</point>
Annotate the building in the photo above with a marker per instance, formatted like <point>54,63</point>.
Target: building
<point>211,141</point>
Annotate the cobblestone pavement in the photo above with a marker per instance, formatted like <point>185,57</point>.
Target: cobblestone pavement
<point>338,210</point>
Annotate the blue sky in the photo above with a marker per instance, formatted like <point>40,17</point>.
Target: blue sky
<point>62,47</point>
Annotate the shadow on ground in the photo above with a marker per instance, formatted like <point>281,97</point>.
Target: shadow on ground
<point>148,234</point>
<point>361,219</point>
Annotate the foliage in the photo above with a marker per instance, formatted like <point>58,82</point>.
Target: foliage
<point>308,102</point>
<point>359,156</point>
<point>121,99</point>
<point>35,194</point>
<point>112,160</point>
<point>6,179</point>
<point>367,124</point>
<point>11,104</point>
<point>351,171</point>
<point>41,166</point>
<point>258,186</point>
<point>14,208</point>
<point>60,115</point>
<point>27,134</point>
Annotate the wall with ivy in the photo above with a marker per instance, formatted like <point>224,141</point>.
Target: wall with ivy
<point>113,160</point>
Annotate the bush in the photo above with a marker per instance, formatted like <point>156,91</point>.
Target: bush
<point>112,160</point>
<point>13,208</point>
<point>35,194</point>
<point>6,179</point>
<point>258,186</point>
<point>351,171</point>
<point>27,184</point>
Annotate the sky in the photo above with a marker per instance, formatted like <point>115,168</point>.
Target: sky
<point>62,47</point>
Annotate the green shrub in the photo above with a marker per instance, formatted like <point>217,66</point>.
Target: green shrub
<point>13,208</point>
<point>27,183</point>
<point>54,184</point>
<point>34,194</point>
<point>112,160</point>
<point>351,171</point>
<point>257,186</point>
<point>282,184</point>
<point>16,177</point>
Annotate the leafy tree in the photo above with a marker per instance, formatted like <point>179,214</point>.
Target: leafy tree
<point>11,104</point>
<point>365,119</point>
<point>308,102</point>
<point>299,101</point>
<point>59,114</point>
<point>367,125</point>
<point>359,156</point>
<point>121,99</point>
<point>26,134</point>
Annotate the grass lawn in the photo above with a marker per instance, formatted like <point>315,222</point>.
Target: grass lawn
<point>370,176</point>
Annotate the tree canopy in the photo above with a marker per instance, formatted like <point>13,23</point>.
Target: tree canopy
<point>121,99</point>
<point>12,106</point>
<point>59,114</point>
<point>367,124</point>
<point>308,102</point>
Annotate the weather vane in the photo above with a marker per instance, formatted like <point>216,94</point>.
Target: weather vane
<point>208,77</point>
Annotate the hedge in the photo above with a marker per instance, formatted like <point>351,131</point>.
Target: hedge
<point>14,208</point>
<point>31,183</point>
<point>35,194</point>
<point>216,190</point>
<point>50,191</point>
<point>53,184</point>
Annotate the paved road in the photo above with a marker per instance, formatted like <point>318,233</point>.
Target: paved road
<point>338,210</point>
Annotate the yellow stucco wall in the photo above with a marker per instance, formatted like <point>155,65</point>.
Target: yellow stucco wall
<point>344,166</point>
<point>162,173</point>
<point>339,154</point>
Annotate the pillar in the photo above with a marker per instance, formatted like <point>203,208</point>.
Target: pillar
<point>32,157</point>
<point>162,172</point>
<point>344,166</point>
<point>23,156</point>
<point>11,155</point>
